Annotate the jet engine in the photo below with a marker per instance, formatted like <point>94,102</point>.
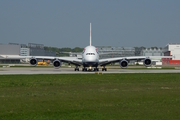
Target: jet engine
<point>123,63</point>
<point>57,63</point>
<point>147,62</point>
<point>33,61</point>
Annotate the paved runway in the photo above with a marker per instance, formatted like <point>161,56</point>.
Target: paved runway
<point>35,70</point>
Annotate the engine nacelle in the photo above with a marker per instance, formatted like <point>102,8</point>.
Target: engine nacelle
<point>123,63</point>
<point>33,61</point>
<point>57,64</point>
<point>147,62</point>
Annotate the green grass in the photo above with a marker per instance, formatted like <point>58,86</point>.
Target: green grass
<point>89,96</point>
<point>145,68</point>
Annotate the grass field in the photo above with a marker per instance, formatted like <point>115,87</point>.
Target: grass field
<point>87,96</point>
<point>108,66</point>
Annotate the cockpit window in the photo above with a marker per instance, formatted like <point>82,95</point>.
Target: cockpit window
<point>90,53</point>
<point>97,51</point>
<point>84,50</point>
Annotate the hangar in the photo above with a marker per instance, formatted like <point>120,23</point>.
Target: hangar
<point>31,49</point>
<point>9,49</point>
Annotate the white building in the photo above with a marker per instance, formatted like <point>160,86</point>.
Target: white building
<point>172,50</point>
<point>24,52</point>
<point>112,52</point>
<point>152,52</point>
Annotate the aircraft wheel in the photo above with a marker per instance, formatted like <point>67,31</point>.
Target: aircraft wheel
<point>96,69</point>
<point>76,69</point>
<point>104,69</point>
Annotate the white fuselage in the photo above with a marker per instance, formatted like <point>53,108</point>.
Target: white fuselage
<point>90,57</point>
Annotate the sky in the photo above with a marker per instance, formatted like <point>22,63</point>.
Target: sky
<point>66,23</point>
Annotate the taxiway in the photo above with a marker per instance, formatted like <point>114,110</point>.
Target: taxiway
<point>35,70</point>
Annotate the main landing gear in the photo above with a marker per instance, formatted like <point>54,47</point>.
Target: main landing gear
<point>76,69</point>
<point>104,69</point>
<point>96,69</point>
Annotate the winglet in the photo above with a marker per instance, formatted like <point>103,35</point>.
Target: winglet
<point>90,34</point>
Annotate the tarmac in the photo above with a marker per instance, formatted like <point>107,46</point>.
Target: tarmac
<point>35,70</point>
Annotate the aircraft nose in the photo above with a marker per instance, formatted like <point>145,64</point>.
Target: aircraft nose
<point>91,59</point>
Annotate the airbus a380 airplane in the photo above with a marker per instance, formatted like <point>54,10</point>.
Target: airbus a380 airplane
<point>90,59</point>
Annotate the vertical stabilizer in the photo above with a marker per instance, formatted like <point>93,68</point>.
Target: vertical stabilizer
<point>90,34</point>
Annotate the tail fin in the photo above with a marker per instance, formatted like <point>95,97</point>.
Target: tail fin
<point>90,34</point>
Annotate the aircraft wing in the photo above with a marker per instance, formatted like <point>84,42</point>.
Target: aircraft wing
<point>72,60</point>
<point>103,62</point>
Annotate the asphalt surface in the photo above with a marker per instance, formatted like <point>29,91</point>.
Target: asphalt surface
<point>35,70</point>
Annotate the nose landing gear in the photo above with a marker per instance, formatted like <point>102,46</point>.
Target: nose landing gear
<point>90,69</point>
<point>84,69</point>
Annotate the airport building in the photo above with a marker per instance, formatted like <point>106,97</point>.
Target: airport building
<point>9,49</point>
<point>111,52</point>
<point>25,52</point>
<point>172,50</point>
<point>38,50</point>
<point>152,52</point>
<point>31,49</point>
